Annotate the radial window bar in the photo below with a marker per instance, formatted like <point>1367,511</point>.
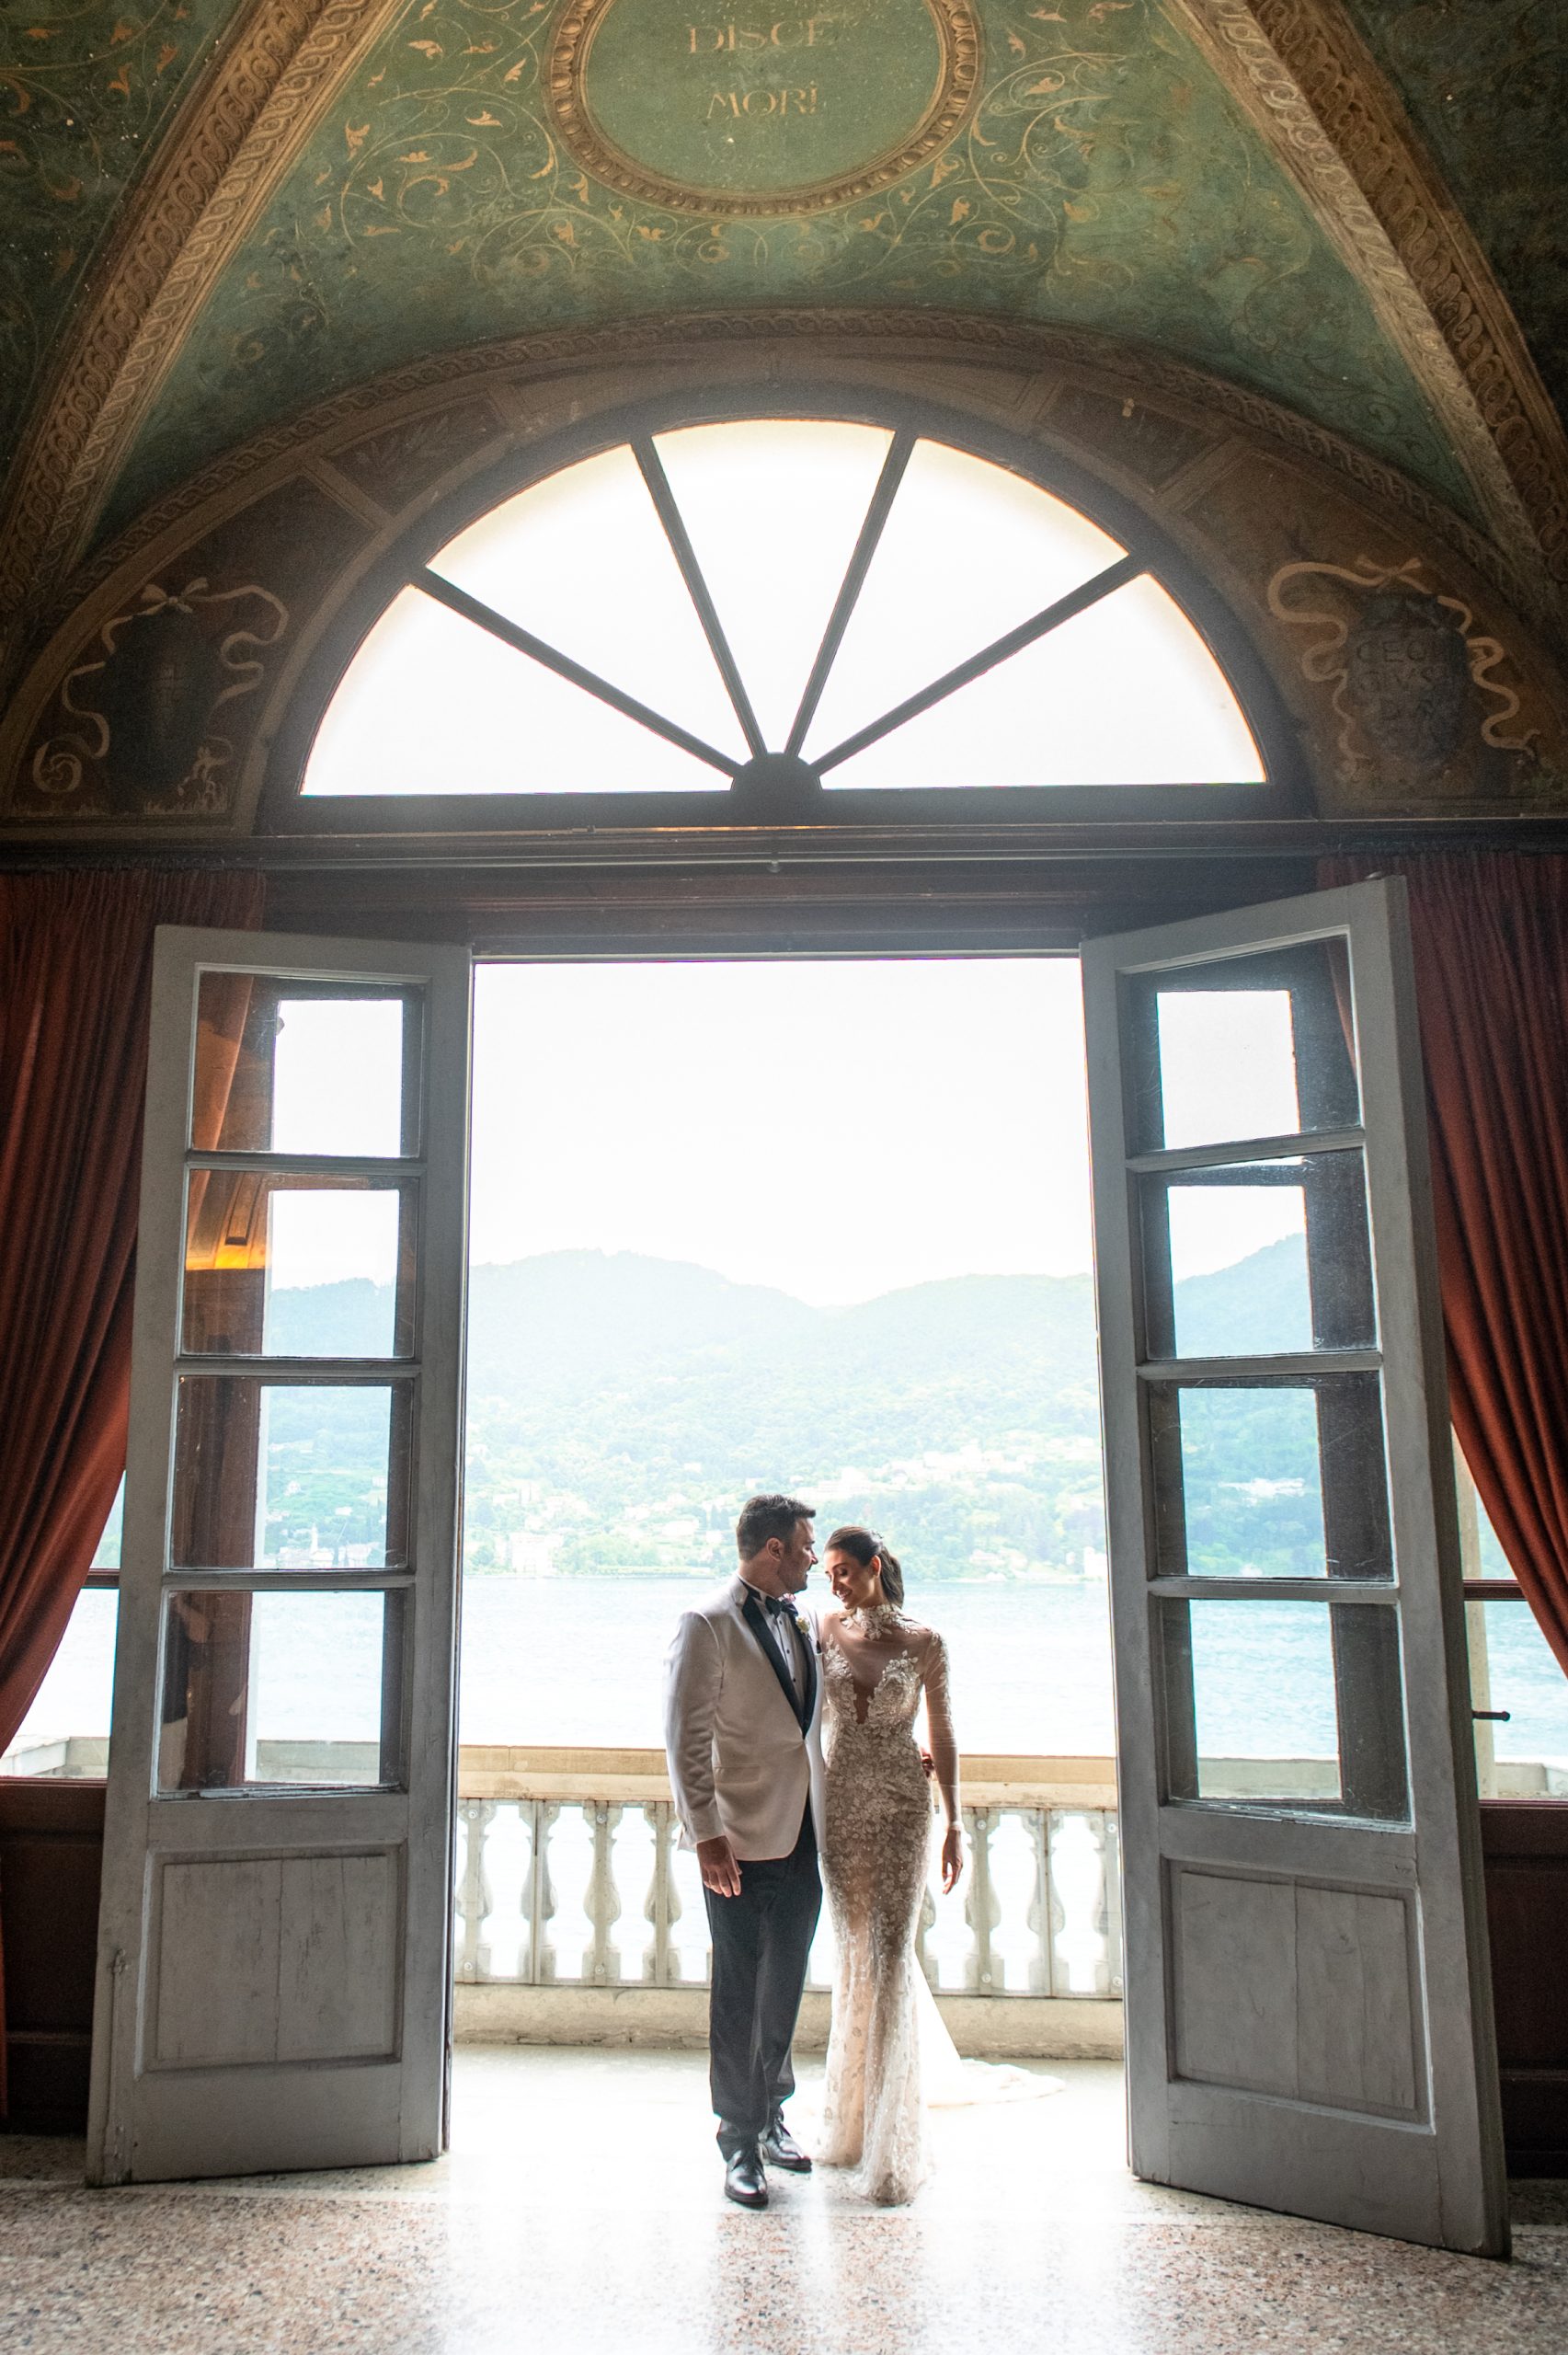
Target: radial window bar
<point>1063,609</point>
<point>473,609</point>
<point>652,469</point>
<point>773,606</point>
<point>877,514</point>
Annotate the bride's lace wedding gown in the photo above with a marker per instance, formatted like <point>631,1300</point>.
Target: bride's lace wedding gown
<point>876,1664</point>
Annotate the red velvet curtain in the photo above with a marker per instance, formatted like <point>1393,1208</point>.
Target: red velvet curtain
<point>76,979</point>
<point>1490,931</point>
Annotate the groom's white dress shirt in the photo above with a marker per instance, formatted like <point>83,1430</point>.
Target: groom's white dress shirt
<point>739,1762</point>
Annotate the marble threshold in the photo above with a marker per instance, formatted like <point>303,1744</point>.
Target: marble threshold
<point>1031,2027</point>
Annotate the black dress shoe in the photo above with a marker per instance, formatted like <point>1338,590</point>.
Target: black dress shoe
<point>744,2182</point>
<point>781,2150</point>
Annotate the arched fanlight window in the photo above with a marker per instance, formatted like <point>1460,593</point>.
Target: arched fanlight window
<point>787,607</point>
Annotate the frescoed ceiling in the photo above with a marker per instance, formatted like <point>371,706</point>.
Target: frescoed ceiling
<point>1104,178</point>
<point>216,212</point>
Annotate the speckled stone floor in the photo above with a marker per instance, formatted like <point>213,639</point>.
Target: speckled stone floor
<point>579,2213</point>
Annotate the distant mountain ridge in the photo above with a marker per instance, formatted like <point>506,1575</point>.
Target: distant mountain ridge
<point>568,1319</point>
<point>615,1400</point>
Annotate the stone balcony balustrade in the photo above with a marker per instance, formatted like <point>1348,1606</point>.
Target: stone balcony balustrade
<point>578,1918</point>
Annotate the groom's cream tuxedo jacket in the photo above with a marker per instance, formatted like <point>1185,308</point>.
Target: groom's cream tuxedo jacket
<point>741,1763</point>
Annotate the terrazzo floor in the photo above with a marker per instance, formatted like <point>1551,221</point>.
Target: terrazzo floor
<point>579,2212</point>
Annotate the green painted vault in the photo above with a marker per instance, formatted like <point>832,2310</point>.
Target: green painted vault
<point>1104,179</point>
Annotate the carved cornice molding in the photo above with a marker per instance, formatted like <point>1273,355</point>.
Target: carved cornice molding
<point>1307,80</point>
<point>768,340</point>
<point>223,158</point>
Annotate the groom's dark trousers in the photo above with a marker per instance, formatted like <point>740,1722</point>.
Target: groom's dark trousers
<point>760,1942</point>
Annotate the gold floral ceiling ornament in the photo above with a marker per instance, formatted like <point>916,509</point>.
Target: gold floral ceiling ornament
<point>744,111</point>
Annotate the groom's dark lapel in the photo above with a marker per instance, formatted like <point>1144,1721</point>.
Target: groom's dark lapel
<point>756,1620</point>
<point>808,1646</point>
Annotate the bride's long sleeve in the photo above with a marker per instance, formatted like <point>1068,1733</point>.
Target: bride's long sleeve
<point>939,1727</point>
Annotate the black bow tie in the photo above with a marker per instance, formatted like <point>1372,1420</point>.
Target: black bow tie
<point>781,1605</point>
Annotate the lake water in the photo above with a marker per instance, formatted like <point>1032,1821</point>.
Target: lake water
<point>577,1661</point>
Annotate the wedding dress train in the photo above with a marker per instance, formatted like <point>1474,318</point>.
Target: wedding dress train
<point>889,2055</point>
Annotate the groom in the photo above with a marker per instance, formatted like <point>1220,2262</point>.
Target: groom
<point>742,1734</point>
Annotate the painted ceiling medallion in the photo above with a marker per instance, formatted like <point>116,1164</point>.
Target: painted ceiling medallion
<point>735,109</point>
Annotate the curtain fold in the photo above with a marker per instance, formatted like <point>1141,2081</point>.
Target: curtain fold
<point>1490,936</point>
<point>75,982</point>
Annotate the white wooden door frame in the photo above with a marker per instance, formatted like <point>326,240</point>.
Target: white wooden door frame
<point>382,1855</point>
<point>1436,2175</point>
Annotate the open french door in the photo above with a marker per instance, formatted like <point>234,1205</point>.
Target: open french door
<point>1308,1994</point>
<point>273,1969</point>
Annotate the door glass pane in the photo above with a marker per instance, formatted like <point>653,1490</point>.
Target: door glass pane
<point>297,1266</point>
<point>1255,1046</point>
<point>288,1067</point>
<point>1263,1701</point>
<point>1247,1497</point>
<point>1259,1259</point>
<point>1288,1704</point>
<point>1227,1065</point>
<point>280,1688</point>
<point>1271,1479</point>
<point>289,1476</point>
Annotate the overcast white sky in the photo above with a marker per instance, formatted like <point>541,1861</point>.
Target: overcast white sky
<point>836,1129</point>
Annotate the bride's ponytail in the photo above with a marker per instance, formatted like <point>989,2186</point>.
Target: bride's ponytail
<point>864,1545</point>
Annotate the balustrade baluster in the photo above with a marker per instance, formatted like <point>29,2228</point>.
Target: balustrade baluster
<point>541,1894</point>
<point>662,1905</point>
<point>1095,1825</point>
<point>473,1892</point>
<point>604,1898</point>
<point>632,1868</point>
<point>688,1917</point>
<point>525,1814</point>
<point>1110,1859</point>
<point>1061,1976</point>
<point>982,1910</point>
<point>1077,1874</point>
<point>507,1863</point>
<point>1042,1905</point>
<point>1014,1888</point>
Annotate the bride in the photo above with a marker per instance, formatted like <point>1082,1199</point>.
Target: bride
<point>876,1664</point>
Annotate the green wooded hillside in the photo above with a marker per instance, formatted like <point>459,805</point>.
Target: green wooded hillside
<point>619,1408</point>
